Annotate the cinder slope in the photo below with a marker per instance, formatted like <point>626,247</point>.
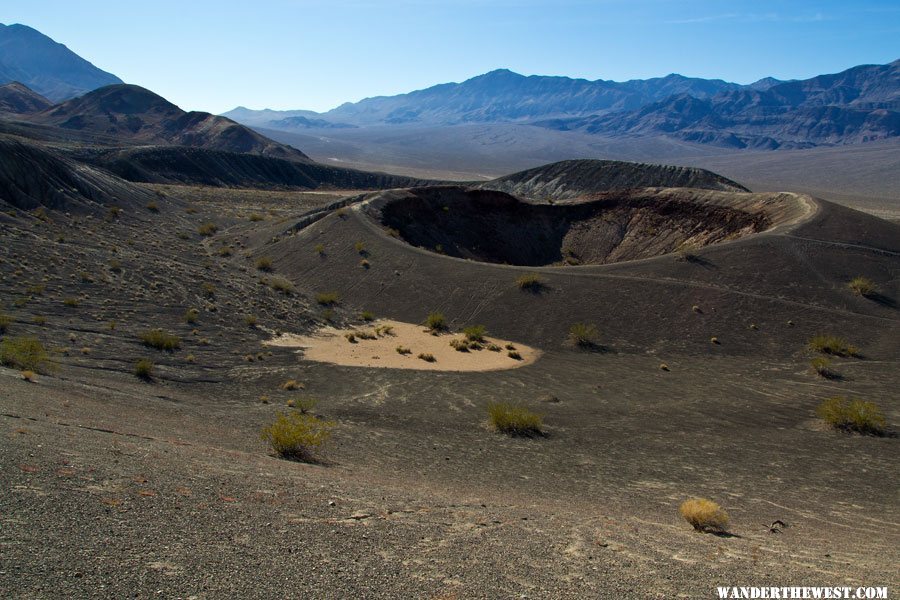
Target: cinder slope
<point>573,178</point>
<point>32,176</point>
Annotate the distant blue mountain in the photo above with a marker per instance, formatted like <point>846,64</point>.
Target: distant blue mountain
<point>46,67</point>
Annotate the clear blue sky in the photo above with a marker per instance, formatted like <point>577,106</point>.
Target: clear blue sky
<point>316,54</point>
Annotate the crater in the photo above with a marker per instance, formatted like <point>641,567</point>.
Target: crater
<point>496,227</point>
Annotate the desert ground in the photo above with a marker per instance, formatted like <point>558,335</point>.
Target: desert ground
<point>699,384</point>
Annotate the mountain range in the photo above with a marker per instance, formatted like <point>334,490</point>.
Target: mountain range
<point>857,105</point>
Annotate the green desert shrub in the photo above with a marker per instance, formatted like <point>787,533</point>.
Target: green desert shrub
<point>367,315</point>
<point>514,354</point>
<point>255,217</point>
<point>251,321</point>
<point>475,333</point>
<point>23,353</point>
<point>71,302</point>
<point>852,414</point>
<point>327,298</point>
<point>143,369</point>
<point>436,322</point>
<point>583,335</point>
<point>297,436</point>
<point>5,322</point>
<point>704,515</point>
<point>862,286</point>
<point>515,420</point>
<point>160,340</point>
<point>832,344</point>
<point>360,248</point>
<point>319,249</point>
<point>531,282</point>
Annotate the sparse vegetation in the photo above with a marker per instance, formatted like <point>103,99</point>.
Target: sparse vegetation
<point>403,350</point>
<point>427,357</point>
<point>297,436</point>
<point>514,354</point>
<point>704,515</point>
<point>367,315</point>
<point>115,265</point>
<point>255,217</point>
<point>153,207</point>
<point>822,367</point>
<point>832,344</point>
<point>208,289</point>
<point>583,335</point>
<point>143,369</point>
<point>191,316</point>
<point>281,284</point>
<point>24,353</point>
<point>515,420</point>
<point>264,263</point>
<point>207,229</point>
<point>250,321</point>
<point>160,340</point>
<point>459,345</point>
<point>360,248</point>
<point>531,282</point>
<point>224,252</point>
<point>852,414</point>
<point>327,298</point>
<point>863,286</point>
<point>475,333</point>
<point>436,322</point>
<point>5,322</point>
<point>365,264</point>
<point>319,249</point>
<point>291,385</point>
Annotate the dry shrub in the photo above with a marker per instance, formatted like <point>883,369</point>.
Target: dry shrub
<point>160,340</point>
<point>291,385</point>
<point>327,298</point>
<point>297,435</point>
<point>143,369</point>
<point>583,335</point>
<point>281,284</point>
<point>531,282</point>
<point>863,286</point>
<point>427,357</point>
<point>832,344</point>
<point>264,263</point>
<point>704,515</point>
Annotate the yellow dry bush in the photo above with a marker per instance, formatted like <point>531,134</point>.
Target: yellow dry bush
<point>704,515</point>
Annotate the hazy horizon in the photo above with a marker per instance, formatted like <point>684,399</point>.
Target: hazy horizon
<point>315,55</point>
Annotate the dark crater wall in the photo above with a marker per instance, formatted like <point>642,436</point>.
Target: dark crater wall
<point>496,227</point>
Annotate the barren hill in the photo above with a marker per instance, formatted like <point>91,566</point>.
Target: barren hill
<point>133,114</point>
<point>16,98</point>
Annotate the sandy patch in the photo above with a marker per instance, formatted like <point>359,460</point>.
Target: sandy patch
<point>332,345</point>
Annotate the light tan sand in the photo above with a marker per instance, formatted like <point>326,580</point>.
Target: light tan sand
<point>331,345</point>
